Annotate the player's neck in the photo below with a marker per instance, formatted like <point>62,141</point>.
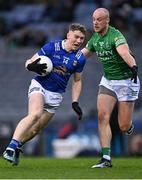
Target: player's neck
<point>104,31</point>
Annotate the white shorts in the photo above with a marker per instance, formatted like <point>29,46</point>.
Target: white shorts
<point>52,99</point>
<point>125,90</point>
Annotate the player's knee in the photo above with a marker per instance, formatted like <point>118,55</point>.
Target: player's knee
<point>35,117</point>
<point>124,127</point>
<point>103,117</point>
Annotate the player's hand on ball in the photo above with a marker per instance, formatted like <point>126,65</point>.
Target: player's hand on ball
<point>77,109</point>
<point>36,67</point>
<point>134,70</point>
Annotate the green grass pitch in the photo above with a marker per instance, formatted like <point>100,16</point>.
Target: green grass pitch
<point>77,168</point>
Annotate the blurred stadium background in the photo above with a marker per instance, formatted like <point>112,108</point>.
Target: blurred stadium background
<point>24,27</point>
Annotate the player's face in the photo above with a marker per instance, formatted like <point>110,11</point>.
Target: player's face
<point>75,39</point>
<point>100,22</point>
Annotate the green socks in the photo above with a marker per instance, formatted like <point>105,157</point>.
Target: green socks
<point>106,153</point>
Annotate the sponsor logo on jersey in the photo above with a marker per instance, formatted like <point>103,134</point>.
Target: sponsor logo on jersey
<point>104,53</point>
<point>95,45</point>
<point>56,56</point>
<point>61,70</point>
<point>75,63</point>
<point>101,44</point>
<point>66,59</point>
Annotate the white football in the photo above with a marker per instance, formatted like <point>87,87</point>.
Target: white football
<point>48,62</point>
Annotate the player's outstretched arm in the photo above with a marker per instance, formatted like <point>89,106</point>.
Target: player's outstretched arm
<point>76,90</point>
<point>86,52</point>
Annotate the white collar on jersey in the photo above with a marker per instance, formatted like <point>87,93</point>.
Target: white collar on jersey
<point>63,44</point>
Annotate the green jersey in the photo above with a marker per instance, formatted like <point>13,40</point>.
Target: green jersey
<point>115,68</point>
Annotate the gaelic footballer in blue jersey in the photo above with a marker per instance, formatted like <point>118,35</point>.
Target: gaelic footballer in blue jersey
<point>45,92</point>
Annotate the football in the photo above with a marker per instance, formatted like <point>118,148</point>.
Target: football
<point>48,62</point>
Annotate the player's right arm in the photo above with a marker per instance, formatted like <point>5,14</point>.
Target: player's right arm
<point>32,59</point>
<point>33,65</point>
<point>45,51</point>
<point>89,49</point>
<point>86,52</point>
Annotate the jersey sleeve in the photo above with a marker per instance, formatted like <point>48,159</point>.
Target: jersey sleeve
<point>46,50</point>
<point>81,64</point>
<point>119,39</point>
<point>89,45</point>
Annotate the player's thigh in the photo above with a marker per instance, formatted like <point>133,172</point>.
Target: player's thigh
<point>105,104</point>
<point>125,111</point>
<point>36,103</point>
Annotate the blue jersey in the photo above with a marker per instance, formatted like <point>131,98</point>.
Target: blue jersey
<point>64,65</point>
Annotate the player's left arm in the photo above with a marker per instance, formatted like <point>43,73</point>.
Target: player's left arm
<point>76,90</point>
<point>76,86</point>
<point>123,51</point>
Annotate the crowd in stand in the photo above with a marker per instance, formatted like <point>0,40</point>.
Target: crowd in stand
<point>21,21</point>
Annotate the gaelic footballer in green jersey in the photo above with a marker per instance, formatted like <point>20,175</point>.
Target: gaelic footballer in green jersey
<point>115,68</point>
<point>119,84</point>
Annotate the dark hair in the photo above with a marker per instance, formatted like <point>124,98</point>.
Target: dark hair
<point>77,27</point>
